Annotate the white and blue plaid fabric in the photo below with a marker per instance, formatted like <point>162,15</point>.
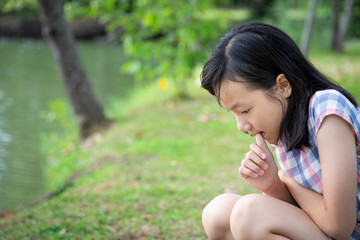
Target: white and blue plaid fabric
<point>304,165</point>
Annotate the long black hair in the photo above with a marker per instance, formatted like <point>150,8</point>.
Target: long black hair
<point>256,53</point>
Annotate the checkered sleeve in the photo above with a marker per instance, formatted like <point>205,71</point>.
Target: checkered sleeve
<point>331,102</point>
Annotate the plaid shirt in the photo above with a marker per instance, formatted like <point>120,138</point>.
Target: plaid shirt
<point>304,165</point>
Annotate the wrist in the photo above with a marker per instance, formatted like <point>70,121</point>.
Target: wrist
<point>275,187</point>
<point>279,190</point>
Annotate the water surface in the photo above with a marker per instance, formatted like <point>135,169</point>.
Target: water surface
<point>29,81</point>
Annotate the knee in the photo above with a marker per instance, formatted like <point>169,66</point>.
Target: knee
<point>216,216</point>
<point>243,216</point>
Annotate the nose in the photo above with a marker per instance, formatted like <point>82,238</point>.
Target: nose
<point>243,125</point>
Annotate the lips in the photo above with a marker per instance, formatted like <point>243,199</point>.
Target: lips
<point>262,134</point>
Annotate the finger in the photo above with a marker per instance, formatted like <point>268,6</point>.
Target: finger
<point>252,166</point>
<point>246,173</point>
<point>255,148</point>
<point>260,141</point>
<point>253,156</point>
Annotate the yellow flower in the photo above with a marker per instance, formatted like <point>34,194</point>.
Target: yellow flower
<point>162,84</point>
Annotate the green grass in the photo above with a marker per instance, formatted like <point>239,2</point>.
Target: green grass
<point>151,174</point>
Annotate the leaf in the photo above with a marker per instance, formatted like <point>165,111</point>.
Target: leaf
<point>140,134</point>
<point>6,214</point>
<point>107,186</point>
<point>131,67</point>
<point>163,84</point>
<point>149,19</point>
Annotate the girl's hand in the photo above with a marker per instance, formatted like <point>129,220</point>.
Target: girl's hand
<point>259,168</point>
<point>285,178</point>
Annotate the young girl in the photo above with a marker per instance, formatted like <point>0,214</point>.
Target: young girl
<point>258,73</point>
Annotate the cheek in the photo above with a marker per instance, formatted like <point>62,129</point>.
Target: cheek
<point>277,118</point>
<point>272,116</point>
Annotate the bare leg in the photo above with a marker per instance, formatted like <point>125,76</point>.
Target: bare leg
<point>216,216</point>
<point>257,216</point>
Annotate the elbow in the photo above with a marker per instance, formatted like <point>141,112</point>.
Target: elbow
<point>340,229</point>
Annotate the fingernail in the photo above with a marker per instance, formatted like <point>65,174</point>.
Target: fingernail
<point>261,172</point>
<point>263,155</point>
<point>254,175</point>
<point>265,166</point>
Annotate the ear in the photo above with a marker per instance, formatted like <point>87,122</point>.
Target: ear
<point>283,86</point>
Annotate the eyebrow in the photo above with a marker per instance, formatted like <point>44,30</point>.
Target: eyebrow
<point>235,105</point>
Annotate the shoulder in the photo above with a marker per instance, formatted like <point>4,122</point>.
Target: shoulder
<point>330,97</point>
<point>327,102</point>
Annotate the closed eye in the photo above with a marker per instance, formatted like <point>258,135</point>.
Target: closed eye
<point>245,112</point>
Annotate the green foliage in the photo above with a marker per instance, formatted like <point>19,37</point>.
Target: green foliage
<point>168,40</point>
<point>18,5</point>
<point>165,39</point>
<point>57,112</point>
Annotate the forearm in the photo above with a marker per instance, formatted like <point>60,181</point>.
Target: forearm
<point>314,205</point>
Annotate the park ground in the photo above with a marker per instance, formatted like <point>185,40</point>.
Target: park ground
<point>150,175</point>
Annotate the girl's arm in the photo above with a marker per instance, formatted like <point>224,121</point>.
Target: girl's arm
<point>335,211</point>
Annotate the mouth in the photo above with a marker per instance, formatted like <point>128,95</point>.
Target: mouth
<point>262,134</point>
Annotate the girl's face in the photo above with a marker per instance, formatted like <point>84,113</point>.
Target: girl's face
<point>254,110</point>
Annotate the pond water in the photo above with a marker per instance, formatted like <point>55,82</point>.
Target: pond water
<point>29,81</point>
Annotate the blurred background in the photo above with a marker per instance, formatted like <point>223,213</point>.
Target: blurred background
<point>123,46</point>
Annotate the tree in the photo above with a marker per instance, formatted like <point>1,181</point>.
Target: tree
<point>340,27</point>
<point>164,39</point>
<point>354,26</point>
<point>305,39</point>
<point>87,110</point>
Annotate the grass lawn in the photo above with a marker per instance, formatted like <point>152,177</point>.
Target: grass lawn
<point>150,175</point>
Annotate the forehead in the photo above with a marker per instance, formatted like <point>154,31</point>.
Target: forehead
<point>232,92</point>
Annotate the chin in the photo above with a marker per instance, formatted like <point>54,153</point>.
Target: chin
<point>270,141</point>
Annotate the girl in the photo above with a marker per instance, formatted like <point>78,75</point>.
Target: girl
<point>258,73</point>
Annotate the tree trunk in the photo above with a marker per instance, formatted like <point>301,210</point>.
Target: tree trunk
<point>345,24</point>
<point>335,43</point>
<point>340,29</point>
<point>88,111</point>
<point>305,39</point>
